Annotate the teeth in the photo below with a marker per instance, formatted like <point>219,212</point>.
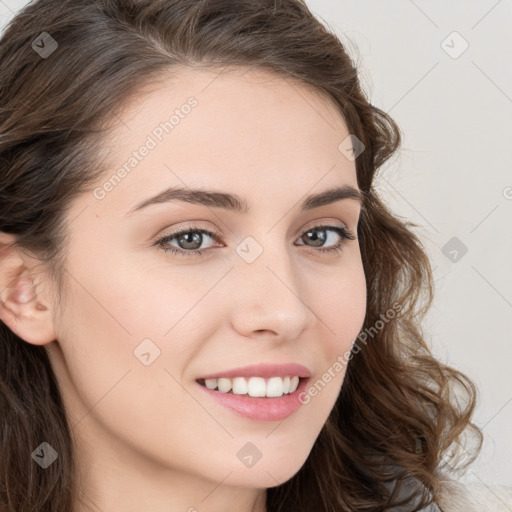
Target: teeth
<point>224,385</point>
<point>240,386</point>
<point>255,386</point>
<point>211,383</point>
<point>286,385</point>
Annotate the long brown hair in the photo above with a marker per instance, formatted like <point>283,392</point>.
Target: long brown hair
<point>397,414</point>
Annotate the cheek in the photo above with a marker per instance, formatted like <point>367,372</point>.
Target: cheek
<point>341,303</point>
<point>340,306</point>
<point>108,389</point>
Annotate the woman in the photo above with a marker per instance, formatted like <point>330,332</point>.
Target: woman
<point>205,304</point>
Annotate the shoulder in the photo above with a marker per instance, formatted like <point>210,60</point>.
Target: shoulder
<point>474,497</point>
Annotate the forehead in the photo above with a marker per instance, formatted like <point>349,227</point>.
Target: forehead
<point>257,100</point>
<point>220,127</point>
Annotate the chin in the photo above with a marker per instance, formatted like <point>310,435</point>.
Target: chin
<point>265,473</point>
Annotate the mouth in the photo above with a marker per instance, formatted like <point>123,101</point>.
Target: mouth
<point>255,387</point>
<point>263,400</point>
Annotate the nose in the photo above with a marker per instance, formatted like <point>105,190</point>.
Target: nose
<point>269,298</point>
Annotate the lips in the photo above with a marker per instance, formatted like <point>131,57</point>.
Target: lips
<point>261,370</point>
<point>261,409</point>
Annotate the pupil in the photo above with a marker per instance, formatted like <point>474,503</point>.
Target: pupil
<point>195,244</point>
<point>318,240</point>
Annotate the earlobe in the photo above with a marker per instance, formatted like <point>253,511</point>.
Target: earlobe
<point>21,309</point>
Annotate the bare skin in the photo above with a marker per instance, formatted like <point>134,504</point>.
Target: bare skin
<point>148,437</point>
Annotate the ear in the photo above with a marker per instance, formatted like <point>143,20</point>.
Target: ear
<point>24,305</point>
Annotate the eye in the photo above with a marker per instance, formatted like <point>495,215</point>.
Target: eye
<point>191,238</point>
<point>342,232</point>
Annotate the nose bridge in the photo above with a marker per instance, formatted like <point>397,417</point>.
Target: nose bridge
<point>268,290</point>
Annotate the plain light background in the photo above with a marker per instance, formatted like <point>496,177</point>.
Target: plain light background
<point>452,177</point>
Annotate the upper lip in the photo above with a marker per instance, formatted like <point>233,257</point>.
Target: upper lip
<point>262,370</point>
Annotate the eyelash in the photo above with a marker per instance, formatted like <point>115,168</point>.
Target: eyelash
<point>343,232</point>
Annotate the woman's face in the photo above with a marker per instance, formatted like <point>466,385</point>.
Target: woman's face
<point>142,325</point>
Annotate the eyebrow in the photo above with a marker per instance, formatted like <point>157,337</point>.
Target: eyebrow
<point>235,203</point>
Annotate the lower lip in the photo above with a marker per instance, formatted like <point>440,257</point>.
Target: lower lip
<point>260,408</point>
